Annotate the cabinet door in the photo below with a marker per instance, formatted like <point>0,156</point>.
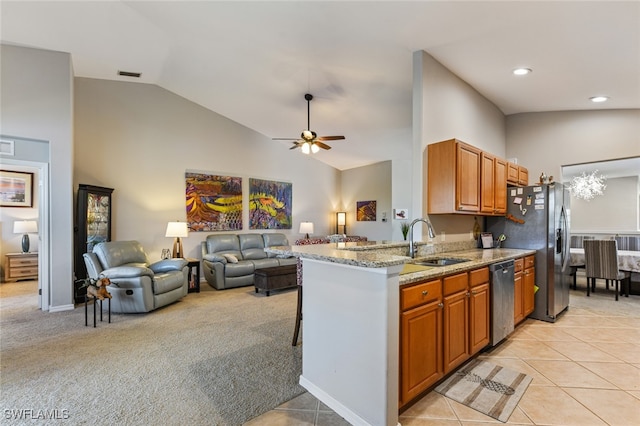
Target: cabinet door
<point>512,173</point>
<point>467,178</point>
<point>479,318</point>
<point>421,349</point>
<point>456,330</point>
<point>523,176</point>
<point>518,309</point>
<point>500,186</point>
<point>528,286</point>
<point>487,183</point>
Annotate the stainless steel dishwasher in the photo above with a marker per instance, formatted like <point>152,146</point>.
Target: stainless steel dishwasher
<point>502,290</point>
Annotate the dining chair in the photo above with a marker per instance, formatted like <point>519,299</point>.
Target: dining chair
<point>601,261</point>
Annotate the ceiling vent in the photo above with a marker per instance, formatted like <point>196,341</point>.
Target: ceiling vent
<point>129,74</point>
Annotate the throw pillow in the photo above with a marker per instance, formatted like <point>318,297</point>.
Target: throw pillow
<point>230,258</point>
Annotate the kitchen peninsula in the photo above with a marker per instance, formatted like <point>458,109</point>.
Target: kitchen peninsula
<point>351,320</point>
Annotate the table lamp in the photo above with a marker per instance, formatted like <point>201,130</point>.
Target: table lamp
<point>306,228</point>
<point>177,230</point>
<point>25,227</point>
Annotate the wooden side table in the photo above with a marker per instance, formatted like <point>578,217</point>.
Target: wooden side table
<point>193,278</point>
<point>21,266</point>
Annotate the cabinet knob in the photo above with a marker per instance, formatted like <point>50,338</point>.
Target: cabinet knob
<point>440,305</point>
<point>425,292</point>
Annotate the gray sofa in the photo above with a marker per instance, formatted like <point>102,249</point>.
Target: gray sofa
<point>137,285</point>
<point>230,260</point>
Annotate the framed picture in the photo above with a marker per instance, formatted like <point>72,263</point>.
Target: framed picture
<point>16,189</point>
<point>401,214</point>
<point>366,211</point>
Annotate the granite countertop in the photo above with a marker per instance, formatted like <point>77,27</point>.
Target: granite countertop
<point>371,254</point>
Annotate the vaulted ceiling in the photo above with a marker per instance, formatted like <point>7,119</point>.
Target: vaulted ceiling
<point>254,61</point>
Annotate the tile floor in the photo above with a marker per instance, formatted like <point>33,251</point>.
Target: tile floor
<point>585,369</point>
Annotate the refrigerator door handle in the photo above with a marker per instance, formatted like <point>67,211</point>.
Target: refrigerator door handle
<point>564,239</point>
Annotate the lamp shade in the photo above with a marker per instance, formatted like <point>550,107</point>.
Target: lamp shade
<point>306,228</point>
<point>177,229</point>
<point>341,218</point>
<point>25,227</point>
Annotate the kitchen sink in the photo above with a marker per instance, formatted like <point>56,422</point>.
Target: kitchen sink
<point>440,261</point>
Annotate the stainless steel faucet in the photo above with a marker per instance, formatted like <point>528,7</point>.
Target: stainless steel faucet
<point>432,234</point>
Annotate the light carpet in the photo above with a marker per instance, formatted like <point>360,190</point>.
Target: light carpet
<point>213,358</point>
<point>486,387</point>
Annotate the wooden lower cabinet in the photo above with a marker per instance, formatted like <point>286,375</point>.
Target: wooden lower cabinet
<point>479,310</point>
<point>442,324</point>
<point>420,338</point>
<point>524,290</point>
<point>528,285</point>
<point>421,349</point>
<point>518,302</point>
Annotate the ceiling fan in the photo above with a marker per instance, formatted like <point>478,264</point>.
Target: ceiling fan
<point>309,141</point>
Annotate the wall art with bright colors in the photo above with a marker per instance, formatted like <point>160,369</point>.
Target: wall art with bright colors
<point>366,211</point>
<point>269,204</point>
<point>214,203</point>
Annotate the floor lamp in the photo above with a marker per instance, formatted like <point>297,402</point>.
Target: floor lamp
<point>177,230</point>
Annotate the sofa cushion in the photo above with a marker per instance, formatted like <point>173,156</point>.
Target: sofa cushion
<point>252,246</point>
<point>116,253</point>
<point>222,243</point>
<point>239,269</point>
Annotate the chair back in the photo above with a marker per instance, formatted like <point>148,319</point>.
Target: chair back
<point>601,259</point>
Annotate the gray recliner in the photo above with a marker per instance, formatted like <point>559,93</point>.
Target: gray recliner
<point>137,285</point>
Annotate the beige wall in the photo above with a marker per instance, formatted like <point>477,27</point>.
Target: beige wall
<point>140,139</point>
<point>546,141</point>
<point>37,103</point>
<point>369,183</point>
<point>446,107</point>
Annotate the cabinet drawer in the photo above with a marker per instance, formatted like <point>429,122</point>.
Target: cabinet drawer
<point>519,264</point>
<point>455,283</point>
<point>19,262</point>
<point>23,272</point>
<point>529,261</point>
<point>479,276</point>
<point>416,295</point>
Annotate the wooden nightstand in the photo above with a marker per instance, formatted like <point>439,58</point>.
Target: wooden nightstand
<point>21,266</point>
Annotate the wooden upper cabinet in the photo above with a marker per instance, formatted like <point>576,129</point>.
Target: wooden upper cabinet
<point>517,175</point>
<point>453,176</point>
<point>500,186</point>
<point>487,183</point>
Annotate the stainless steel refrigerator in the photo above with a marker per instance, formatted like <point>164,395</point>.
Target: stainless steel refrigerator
<point>538,218</point>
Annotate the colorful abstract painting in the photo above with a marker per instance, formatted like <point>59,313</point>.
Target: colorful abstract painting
<point>269,204</point>
<point>366,211</point>
<point>214,203</point>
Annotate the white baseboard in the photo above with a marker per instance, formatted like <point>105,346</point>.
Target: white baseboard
<point>61,308</point>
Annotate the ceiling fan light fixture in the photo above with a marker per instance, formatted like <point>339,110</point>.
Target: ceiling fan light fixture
<point>307,135</point>
<point>314,148</point>
<point>305,148</point>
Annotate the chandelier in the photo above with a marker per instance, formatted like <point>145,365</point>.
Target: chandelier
<point>587,185</point>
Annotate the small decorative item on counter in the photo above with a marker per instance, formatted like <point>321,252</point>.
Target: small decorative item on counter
<point>500,239</point>
<point>543,179</point>
<point>476,228</point>
<point>404,227</point>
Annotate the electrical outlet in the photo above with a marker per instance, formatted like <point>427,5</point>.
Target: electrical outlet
<point>442,236</point>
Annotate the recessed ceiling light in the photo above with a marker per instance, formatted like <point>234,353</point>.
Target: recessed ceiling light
<point>522,71</point>
<point>599,98</point>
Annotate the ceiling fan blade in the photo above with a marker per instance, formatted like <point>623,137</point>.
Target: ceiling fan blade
<point>330,138</point>
<point>284,139</point>
<point>295,145</point>
<point>322,145</point>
